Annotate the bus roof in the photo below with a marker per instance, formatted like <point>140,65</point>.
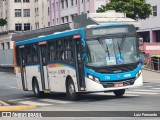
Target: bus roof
<point>49,37</point>
<point>64,33</point>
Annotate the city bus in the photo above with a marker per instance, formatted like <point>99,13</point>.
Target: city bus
<point>98,58</point>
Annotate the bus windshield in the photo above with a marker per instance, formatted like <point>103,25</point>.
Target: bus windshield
<point>112,51</point>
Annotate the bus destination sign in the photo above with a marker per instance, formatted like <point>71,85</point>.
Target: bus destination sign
<point>106,31</point>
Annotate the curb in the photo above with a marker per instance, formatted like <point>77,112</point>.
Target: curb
<point>16,108</point>
<point>151,70</point>
<point>7,107</point>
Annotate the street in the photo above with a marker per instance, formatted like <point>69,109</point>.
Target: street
<point>145,98</point>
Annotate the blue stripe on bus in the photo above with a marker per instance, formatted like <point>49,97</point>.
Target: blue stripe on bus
<point>52,36</point>
<point>111,77</point>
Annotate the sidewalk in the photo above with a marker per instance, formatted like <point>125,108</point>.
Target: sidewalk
<point>151,76</point>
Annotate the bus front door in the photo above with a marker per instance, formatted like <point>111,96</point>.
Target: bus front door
<point>79,65</point>
<point>43,68</point>
<point>22,68</point>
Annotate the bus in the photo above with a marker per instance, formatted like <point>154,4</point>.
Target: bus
<point>98,58</point>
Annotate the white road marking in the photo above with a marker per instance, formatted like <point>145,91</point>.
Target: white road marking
<point>143,90</point>
<point>13,87</point>
<point>21,99</point>
<point>136,92</point>
<point>148,86</point>
<point>55,101</point>
<point>111,93</point>
<point>156,88</point>
<point>35,103</point>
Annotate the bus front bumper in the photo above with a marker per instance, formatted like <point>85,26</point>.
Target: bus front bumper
<point>92,86</point>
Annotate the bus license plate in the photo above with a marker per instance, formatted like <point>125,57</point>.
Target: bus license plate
<point>120,84</point>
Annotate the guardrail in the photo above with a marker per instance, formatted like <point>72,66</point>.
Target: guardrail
<point>152,62</point>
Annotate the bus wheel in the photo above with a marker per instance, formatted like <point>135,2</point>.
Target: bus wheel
<point>119,93</point>
<point>36,91</point>
<point>71,91</point>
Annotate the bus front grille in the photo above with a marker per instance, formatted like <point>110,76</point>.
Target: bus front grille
<point>115,69</point>
<point>112,83</point>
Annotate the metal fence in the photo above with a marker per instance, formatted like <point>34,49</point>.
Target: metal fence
<point>152,62</point>
<point>6,58</point>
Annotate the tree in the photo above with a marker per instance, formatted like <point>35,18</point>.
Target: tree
<point>3,22</point>
<point>133,8</point>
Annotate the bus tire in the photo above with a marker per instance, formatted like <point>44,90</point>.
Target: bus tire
<point>71,91</point>
<point>36,91</point>
<point>119,93</point>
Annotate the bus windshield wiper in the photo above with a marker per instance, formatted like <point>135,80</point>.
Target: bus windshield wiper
<point>119,48</point>
<point>122,43</point>
<point>105,47</point>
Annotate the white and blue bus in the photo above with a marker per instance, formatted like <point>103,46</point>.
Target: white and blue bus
<point>94,59</point>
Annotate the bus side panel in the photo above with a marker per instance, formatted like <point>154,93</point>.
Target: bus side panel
<point>46,78</point>
<point>33,71</point>
<point>18,77</point>
<point>57,77</point>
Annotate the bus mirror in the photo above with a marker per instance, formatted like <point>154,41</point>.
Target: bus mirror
<point>140,40</point>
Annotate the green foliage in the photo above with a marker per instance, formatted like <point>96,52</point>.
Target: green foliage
<point>132,8</point>
<point>3,22</point>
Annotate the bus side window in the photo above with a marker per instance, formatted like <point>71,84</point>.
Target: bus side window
<point>28,52</point>
<point>35,54</point>
<point>52,53</point>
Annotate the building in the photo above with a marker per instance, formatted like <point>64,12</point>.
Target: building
<point>62,11</point>
<point>21,15</point>
<point>150,30</point>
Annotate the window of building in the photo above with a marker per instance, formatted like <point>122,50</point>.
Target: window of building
<point>27,26</point>
<point>76,2</point>
<point>25,0</point>
<point>67,19</point>
<point>17,0</point>
<point>18,27</point>
<point>8,45</point>
<point>37,25</point>
<point>62,19</point>
<point>18,13</point>
<point>82,1</point>
<point>154,10</point>
<point>2,46</point>
<point>62,3</point>
<point>37,12</point>
<point>48,10</point>
<point>48,24</point>
<point>26,12</point>
<point>72,3</point>
<point>66,3</point>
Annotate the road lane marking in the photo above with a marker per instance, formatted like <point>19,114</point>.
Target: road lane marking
<point>35,103</point>
<point>55,101</point>
<point>136,92</point>
<point>21,99</point>
<point>156,88</point>
<point>111,93</point>
<point>143,90</point>
<point>148,86</point>
<point>13,87</point>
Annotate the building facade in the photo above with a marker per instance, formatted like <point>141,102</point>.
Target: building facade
<point>150,30</point>
<point>21,15</point>
<point>62,11</point>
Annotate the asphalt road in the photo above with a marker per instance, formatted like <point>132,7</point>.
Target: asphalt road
<point>145,98</point>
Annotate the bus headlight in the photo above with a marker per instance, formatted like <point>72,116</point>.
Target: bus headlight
<point>93,78</point>
<point>139,73</point>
